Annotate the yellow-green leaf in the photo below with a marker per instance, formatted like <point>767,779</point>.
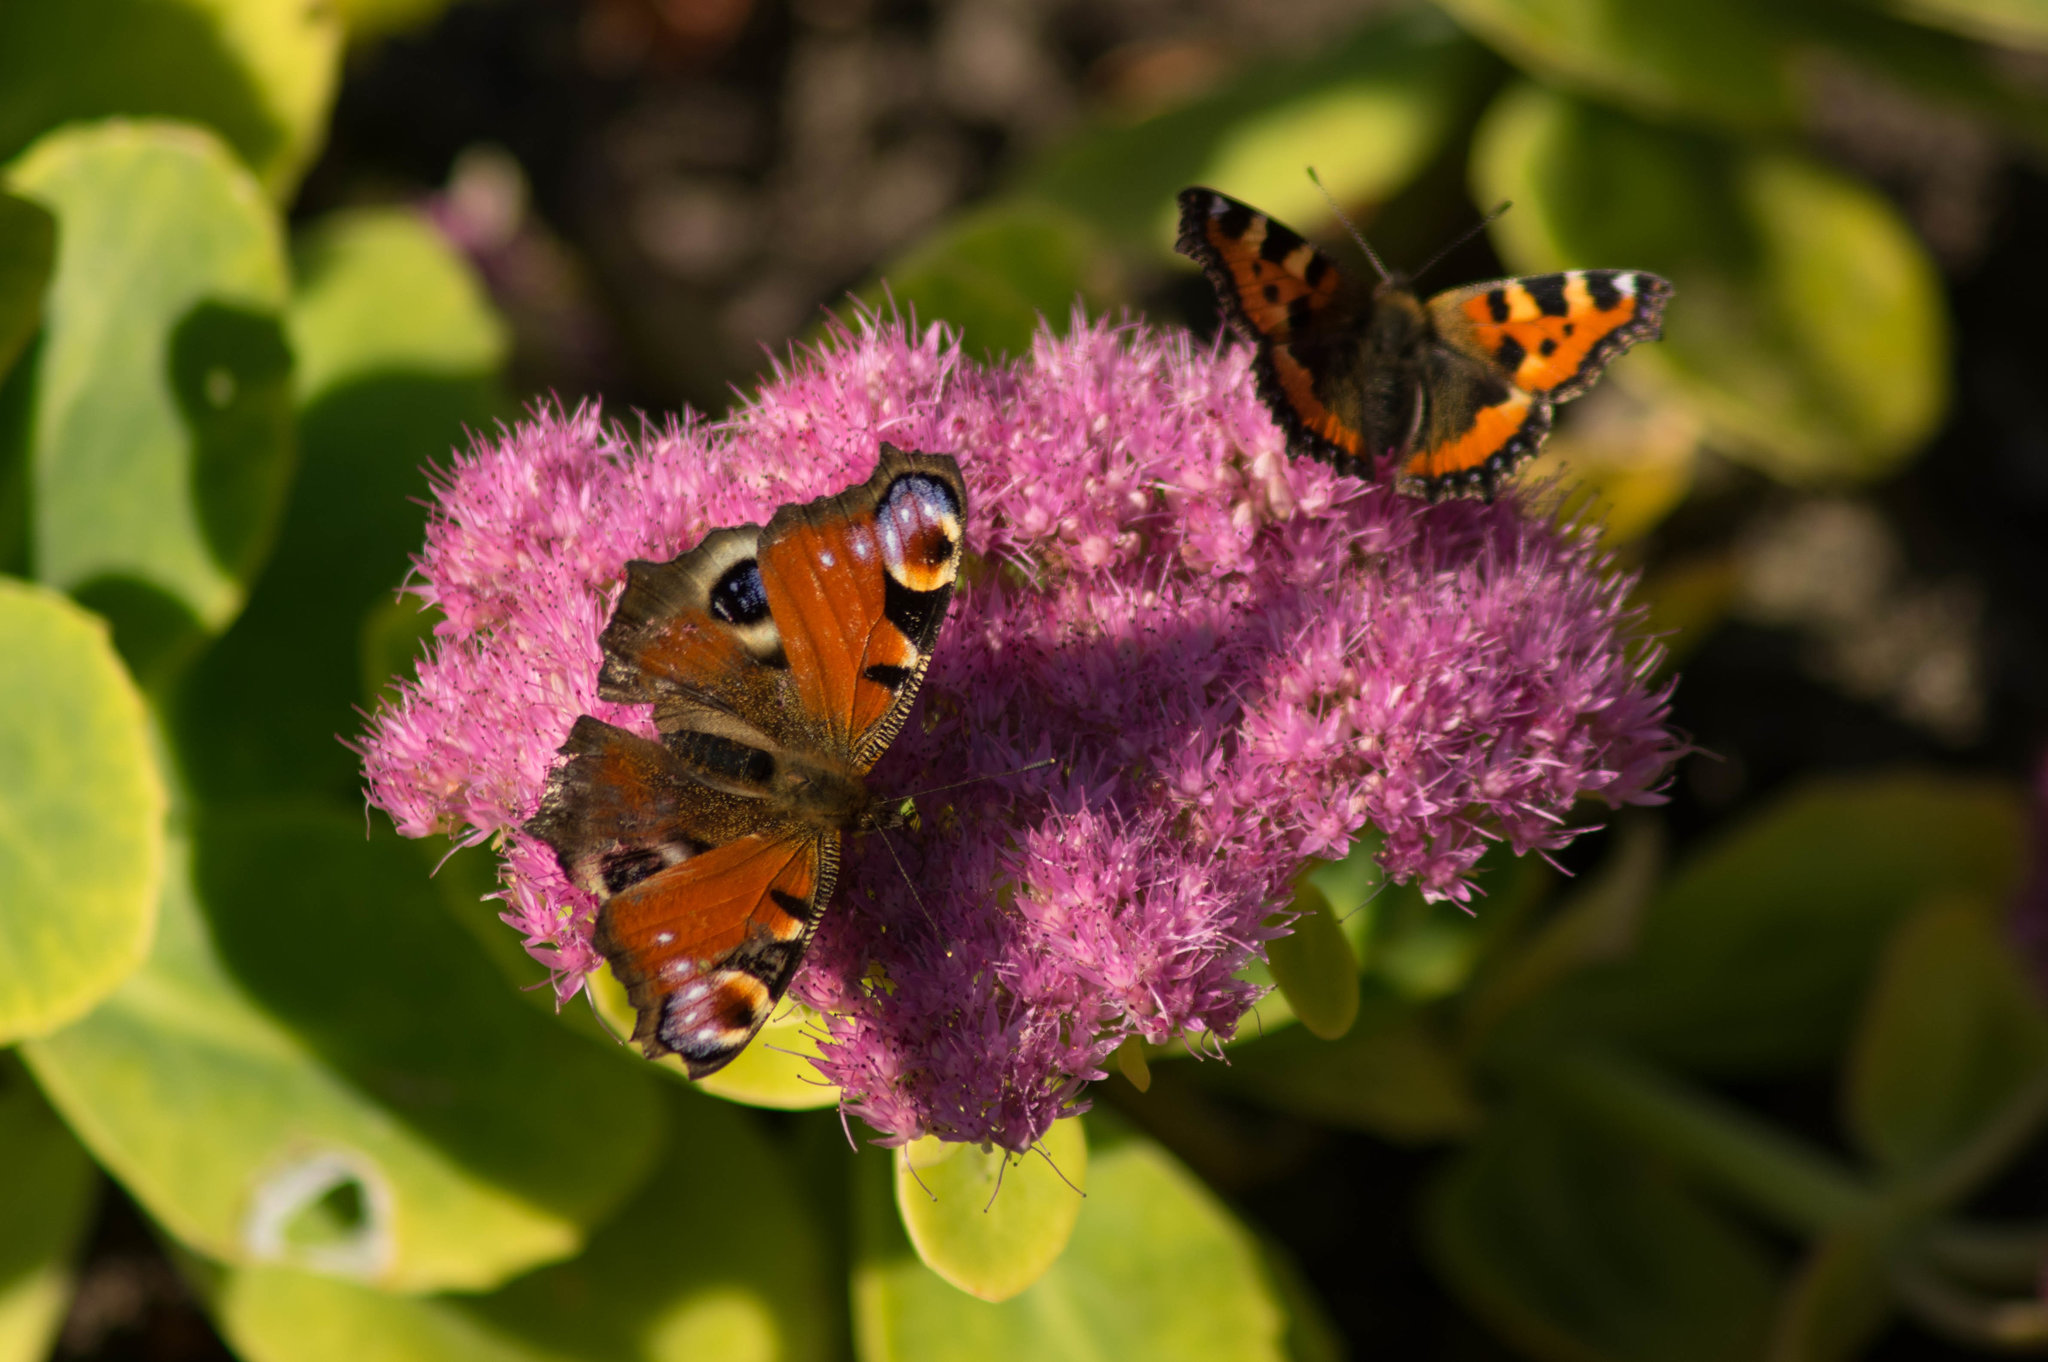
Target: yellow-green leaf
<point>989,1221</point>
<point>1157,1268</point>
<point>81,814</point>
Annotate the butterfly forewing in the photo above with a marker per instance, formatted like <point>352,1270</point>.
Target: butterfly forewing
<point>1552,334</point>
<point>1293,304</point>
<point>857,669</point>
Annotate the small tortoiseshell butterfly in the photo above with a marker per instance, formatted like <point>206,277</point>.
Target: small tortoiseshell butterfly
<point>781,661</point>
<point>1458,389</point>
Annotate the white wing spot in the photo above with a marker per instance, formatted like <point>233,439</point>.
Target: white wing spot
<point>825,558</point>
<point>663,938</point>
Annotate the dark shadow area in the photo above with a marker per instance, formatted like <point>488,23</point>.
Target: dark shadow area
<point>156,634</point>
<point>131,1304</point>
<point>231,373</point>
<point>28,252</point>
<point>142,59</point>
<point>17,412</point>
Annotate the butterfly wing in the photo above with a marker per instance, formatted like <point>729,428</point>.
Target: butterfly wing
<point>1552,334</point>
<point>1475,428</point>
<point>622,808</point>
<point>859,584</point>
<point>707,947</point>
<point>1286,298</point>
<point>694,637</point>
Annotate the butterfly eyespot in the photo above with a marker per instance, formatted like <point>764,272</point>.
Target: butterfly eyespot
<point>738,597</point>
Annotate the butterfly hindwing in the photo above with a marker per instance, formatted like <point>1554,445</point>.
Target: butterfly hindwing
<point>707,947</point>
<point>1476,428</point>
<point>1552,334</point>
<point>780,661</point>
<point>619,809</point>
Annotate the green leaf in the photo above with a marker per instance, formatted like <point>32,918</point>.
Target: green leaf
<point>1807,327</point>
<point>1577,1246</point>
<point>998,271</point>
<point>381,293</point>
<point>717,1256</point>
<point>1754,67</point>
<point>159,447</point>
<point>261,75</point>
<point>2012,23</point>
<point>49,1188</point>
<point>1157,1267</point>
<point>1390,1076</point>
<point>1368,113</point>
<point>28,252</point>
<point>399,355</point>
<point>989,1221</point>
<point>1714,62</point>
<point>1836,1303</point>
<point>81,814</point>
<point>1952,1033</point>
<point>316,1068</point>
<point>1754,957</point>
<point>1313,965</point>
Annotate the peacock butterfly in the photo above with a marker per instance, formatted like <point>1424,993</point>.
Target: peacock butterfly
<point>781,660</point>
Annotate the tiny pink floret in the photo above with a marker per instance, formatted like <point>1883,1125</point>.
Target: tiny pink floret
<point>1238,661</point>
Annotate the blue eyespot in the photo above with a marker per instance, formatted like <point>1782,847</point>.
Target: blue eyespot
<point>738,597</point>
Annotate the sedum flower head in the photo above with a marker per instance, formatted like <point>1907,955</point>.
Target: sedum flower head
<point>1238,661</point>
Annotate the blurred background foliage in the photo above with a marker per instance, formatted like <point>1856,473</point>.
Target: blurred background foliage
<point>1760,1075</point>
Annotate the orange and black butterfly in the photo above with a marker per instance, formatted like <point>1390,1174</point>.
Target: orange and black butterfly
<point>1456,390</point>
<point>781,661</point>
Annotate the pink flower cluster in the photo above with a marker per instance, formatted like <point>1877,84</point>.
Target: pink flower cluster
<point>1238,661</point>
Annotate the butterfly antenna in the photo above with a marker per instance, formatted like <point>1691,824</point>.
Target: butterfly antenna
<point>1351,227</point>
<point>1001,1169</point>
<point>909,883</point>
<point>1474,230</point>
<point>911,1169</point>
<point>591,998</point>
<point>1039,1149</point>
<point>976,780</point>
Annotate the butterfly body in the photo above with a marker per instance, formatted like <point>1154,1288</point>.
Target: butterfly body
<point>780,660</point>
<point>1456,389</point>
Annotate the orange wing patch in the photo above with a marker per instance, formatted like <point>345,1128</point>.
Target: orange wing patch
<point>1298,389</point>
<point>1552,334</point>
<point>1470,462</point>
